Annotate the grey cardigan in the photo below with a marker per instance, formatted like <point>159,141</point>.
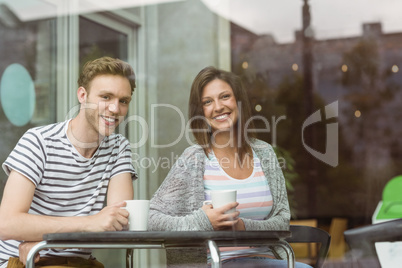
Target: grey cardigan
<point>176,205</point>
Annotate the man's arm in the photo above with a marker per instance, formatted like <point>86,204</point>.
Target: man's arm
<point>16,223</point>
<point>120,189</point>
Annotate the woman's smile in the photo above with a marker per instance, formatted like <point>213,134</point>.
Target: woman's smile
<point>219,105</point>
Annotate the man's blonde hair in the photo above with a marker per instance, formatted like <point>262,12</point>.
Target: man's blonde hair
<point>106,65</point>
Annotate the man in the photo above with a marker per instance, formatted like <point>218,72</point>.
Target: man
<point>61,174</point>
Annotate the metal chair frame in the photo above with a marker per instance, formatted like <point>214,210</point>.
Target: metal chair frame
<point>362,240</point>
<point>308,234</point>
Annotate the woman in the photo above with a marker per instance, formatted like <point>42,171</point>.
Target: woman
<point>225,156</point>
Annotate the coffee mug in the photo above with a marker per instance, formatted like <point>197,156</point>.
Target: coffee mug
<point>220,198</point>
<point>138,214</point>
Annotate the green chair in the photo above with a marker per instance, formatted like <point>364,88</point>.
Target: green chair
<point>391,207</point>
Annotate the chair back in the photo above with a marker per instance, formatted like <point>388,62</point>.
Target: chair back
<point>392,190</point>
<point>362,240</point>
<point>308,234</point>
<point>338,244</point>
<point>307,252</point>
<point>392,199</point>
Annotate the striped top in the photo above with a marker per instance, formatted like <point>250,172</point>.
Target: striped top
<point>67,184</point>
<point>253,195</point>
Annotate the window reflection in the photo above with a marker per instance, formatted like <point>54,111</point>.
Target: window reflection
<point>361,73</point>
<point>97,40</point>
<point>17,94</point>
<point>350,61</point>
<point>31,45</point>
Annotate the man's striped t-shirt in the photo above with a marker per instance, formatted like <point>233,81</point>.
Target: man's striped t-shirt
<point>67,184</point>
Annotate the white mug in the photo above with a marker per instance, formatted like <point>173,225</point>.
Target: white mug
<point>138,218</point>
<point>220,198</point>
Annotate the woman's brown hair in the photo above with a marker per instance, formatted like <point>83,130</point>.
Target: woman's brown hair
<point>199,125</point>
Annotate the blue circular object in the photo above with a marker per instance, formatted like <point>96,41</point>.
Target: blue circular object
<point>17,94</point>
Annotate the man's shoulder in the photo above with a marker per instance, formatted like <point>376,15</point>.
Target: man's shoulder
<point>47,131</point>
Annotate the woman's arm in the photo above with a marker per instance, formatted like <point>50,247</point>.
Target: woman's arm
<point>176,205</point>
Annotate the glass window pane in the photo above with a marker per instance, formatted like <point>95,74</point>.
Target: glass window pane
<point>97,40</point>
<point>28,80</point>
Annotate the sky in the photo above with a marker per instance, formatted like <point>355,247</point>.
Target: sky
<point>329,18</point>
<point>280,18</point>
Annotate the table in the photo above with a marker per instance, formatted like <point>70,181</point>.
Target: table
<point>165,240</point>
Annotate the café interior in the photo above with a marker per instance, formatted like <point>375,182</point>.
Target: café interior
<point>322,76</point>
